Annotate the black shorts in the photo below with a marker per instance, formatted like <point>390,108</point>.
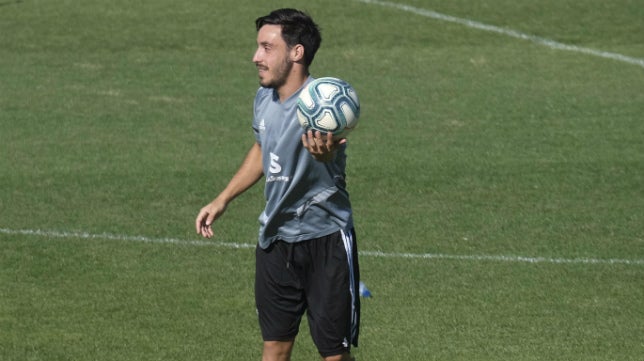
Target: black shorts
<point>319,276</point>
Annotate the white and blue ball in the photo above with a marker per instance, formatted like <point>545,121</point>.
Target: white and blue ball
<point>329,105</point>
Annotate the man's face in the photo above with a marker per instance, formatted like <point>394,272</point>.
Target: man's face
<point>272,57</point>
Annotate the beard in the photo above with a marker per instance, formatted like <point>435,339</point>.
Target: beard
<point>279,75</point>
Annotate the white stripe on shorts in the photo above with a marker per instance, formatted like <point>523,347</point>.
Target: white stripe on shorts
<point>347,238</point>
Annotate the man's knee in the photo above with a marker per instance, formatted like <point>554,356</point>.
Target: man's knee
<point>342,357</point>
<point>277,350</point>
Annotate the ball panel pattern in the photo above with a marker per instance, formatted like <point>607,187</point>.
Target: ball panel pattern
<point>328,105</point>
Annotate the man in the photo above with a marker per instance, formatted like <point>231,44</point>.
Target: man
<point>306,258</point>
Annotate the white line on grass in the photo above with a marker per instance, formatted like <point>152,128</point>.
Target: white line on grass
<point>493,258</point>
<point>508,32</point>
<point>120,237</point>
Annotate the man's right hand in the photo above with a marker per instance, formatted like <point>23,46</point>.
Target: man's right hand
<point>207,215</point>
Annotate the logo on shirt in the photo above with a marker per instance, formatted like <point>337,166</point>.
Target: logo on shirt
<point>275,168</point>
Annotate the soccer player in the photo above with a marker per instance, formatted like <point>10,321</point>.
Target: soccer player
<point>306,257</point>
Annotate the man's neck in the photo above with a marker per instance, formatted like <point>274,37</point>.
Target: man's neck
<point>294,83</point>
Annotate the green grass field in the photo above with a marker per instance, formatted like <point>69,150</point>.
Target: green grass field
<point>498,183</point>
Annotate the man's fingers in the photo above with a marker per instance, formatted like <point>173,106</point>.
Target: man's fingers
<point>203,223</point>
<point>329,140</point>
<point>199,221</point>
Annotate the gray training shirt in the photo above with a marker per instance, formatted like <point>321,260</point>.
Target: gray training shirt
<point>305,198</point>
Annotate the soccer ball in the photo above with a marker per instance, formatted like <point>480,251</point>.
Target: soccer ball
<point>329,105</point>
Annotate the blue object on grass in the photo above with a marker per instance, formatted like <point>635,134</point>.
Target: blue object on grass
<point>364,291</point>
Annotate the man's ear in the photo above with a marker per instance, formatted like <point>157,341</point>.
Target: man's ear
<point>297,53</point>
